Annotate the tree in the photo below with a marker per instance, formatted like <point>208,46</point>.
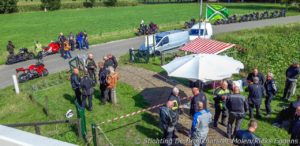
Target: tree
<point>89,3</point>
<point>290,2</point>
<point>50,4</point>
<point>8,6</point>
<point>110,2</point>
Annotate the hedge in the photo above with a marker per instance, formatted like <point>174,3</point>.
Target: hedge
<point>37,7</point>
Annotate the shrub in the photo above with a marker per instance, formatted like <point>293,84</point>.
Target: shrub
<point>8,6</point>
<point>89,3</point>
<point>51,4</point>
<point>110,2</point>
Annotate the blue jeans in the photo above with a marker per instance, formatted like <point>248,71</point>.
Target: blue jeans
<point>80,45</point>
<point>67,54</point>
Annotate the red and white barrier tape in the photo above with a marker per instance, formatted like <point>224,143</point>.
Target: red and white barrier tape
<point>135,113</point>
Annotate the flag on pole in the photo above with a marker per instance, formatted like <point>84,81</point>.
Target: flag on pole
<point>215,12</point>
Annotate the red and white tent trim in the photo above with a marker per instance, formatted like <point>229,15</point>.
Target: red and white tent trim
<point>206,46</point>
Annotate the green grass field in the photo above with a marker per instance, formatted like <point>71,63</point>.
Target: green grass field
<point>102,24</point>
<point>20,109</point>
<point>269,49</point>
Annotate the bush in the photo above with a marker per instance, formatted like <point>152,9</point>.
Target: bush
<point>8,6</point>
<point>110,3</point>
<point>51,4</point>
<point>89,4</point>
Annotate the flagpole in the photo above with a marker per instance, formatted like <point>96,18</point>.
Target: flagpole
<point>201,1</point>
<point>204,31</point>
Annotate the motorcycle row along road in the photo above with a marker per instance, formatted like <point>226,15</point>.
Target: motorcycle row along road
<point>55,63</point>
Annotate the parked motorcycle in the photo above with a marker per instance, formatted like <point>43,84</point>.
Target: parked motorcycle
<point>189,24</point>
<point>22,55</point>
<point>32,72</point>
<point>152,28</point>
<point>52,48</point>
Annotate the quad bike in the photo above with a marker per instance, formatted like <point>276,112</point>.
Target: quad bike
<point>52,48</point>
<point>22,55</point>
<point>32,72</point>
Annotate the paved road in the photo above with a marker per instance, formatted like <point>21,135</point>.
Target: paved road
<point>55,64</point>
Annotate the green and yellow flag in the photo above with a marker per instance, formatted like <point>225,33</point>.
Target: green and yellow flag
<point>215,12</point>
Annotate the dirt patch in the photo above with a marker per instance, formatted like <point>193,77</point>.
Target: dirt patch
<point>156,90</point>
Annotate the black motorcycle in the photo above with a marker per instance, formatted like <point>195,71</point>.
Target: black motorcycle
<point>22,55</point>
<point>189,24</point>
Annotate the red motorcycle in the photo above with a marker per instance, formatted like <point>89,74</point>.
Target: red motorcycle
<point>52,48</point>
<point>32,72</point>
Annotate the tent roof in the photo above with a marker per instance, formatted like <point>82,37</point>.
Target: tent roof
<point>206,46</point>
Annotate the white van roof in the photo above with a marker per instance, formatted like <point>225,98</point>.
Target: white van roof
<point>196,26</point>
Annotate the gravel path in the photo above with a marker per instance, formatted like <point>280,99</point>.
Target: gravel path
<point>156,90</point>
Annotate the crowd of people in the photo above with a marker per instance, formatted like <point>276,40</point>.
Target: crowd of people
<point>233,107</point>
<point>107,78</point>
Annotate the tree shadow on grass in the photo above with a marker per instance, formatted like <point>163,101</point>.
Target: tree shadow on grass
<point>70,98</point>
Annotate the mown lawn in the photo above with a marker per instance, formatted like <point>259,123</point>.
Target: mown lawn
<point>103,24</point>
<point>270,49</point>
<point>20,109</point>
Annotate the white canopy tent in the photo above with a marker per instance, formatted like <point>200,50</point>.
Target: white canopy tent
<point>204,67</point>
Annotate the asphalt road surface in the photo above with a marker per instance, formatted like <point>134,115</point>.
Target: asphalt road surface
<point>55,63</point>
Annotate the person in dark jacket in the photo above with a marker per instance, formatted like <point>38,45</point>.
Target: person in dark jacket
<point>103,72</point>
<point>295,129</point>
<point>108,62</point>
<point>10,48</point>
<point>256,73</point>
<point>287,114</point>
<point>72,41</point>
<point>271,89</point>
<point>198,96</point>
<point>292,74</point>
<point>256,93</point>
<point>167,122</point>
<point>113,59</point>
<point>85,40</point>
<point>177,104</point>
<point>247,137</point>
<point>75,82</point>
<point>237,107</point>
<point>221,95</point>
<point>91,66</point>
<point>87,88</point>
<point>61,40</point>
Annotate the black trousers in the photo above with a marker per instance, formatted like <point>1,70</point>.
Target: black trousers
<point>92,74</point>
<point>268,102</point>
<point>168,138</point>
<point>72,44</point>
<point>78,96</point>
<point>218,112</point>
<point>251,107</point>
<point>90,105</point>
<point>104,93</point>
<point>237,118</point>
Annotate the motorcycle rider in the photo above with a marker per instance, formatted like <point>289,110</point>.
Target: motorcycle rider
<point>10,48</point>
<point>72,41</point>
<point>87,87</point>
<point>62,39</point>
<point>39,50</point>
<point>292,74</point>
<point>91,66</point>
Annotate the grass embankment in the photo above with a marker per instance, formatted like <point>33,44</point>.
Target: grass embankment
<point>103,24</point>
<point>269,49</point>
<point>20,109</point>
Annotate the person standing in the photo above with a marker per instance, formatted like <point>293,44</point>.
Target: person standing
<point>61,40</point>
<point>75,82</point>
<point>221,94</point>
<point>200,125</point>
<point>198,96</point>
<point>112,80</point>
<point>87,87</point>
<point>167,122</point>
<point>72,41</point>
<point>247,137</point>
<point>237,108</point>
<point>113,59</point>
<point>108,62</point>
<point>295,129</point>
<point>91,66</point>
<point>85,40</point>
<point>177,104</point>
<point>103,82</point>
<point>79,40</point>
<point>67,50</point>
<point>271,89</point>
<point>256,73</point>
<point>10,48</point>
<point>292,74</point>
<point>256,93</point>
